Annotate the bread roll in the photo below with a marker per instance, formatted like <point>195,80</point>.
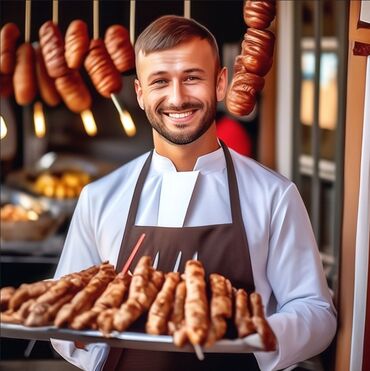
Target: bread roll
<point>24,79</point>
<point>52,46</point>
<point>76,43</point>
<point>102,71</point>
<point>117,42</point>
<point>8,42</point>
<point>46,84</point>
<point>259,14</point>
<point>73,91</point>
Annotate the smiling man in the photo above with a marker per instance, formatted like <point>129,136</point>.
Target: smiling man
<point>193,194</point>
<point>178,87</point>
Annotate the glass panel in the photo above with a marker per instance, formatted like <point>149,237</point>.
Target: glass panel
<point>307,18</point>
<point>308,14</point>
<point>328,104</point>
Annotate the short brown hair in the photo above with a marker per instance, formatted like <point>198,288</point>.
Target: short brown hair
<point>169,31</point>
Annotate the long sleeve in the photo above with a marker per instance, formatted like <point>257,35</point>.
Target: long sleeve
<point>305,318</point>
<point>80,252</point>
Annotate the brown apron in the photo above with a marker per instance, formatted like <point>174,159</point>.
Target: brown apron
<point>222,248</point>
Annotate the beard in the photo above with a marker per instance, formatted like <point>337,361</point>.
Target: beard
<point>184,136</point>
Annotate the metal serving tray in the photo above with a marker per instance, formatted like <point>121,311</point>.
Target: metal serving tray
<point>132,340</point>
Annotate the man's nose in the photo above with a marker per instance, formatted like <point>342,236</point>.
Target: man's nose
<point>176,94</point>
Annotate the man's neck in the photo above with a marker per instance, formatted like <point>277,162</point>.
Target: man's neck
<point>185,156</point>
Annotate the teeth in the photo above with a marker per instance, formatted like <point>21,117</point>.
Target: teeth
<point>179,115</point>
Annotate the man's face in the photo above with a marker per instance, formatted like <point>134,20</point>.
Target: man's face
<point>177,90</point>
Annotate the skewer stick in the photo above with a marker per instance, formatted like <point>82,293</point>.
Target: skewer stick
<point>187,8</point>
<point>55,11</point>
<point>132,255</point>
<point>87,116</point>
<point>27,22</point>
<point>38,113</point>
<point>126,120</point>
<point>96,19</point>
<point>132,21</point>
<point>197,347</point>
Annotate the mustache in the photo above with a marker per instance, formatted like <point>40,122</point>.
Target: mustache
<point>182,107</point>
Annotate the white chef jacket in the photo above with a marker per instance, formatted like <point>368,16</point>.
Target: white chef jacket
<point>286,266</point>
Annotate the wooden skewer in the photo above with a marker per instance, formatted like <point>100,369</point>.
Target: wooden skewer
<point>198,349</point>
<point>133,253</point>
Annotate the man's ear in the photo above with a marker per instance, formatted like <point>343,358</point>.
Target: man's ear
<point>222,82</point>
<point>139,93</point>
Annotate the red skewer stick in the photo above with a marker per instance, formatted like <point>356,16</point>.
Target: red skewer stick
<point>133,253</point>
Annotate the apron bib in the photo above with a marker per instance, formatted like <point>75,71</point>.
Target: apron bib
<point>222,248</point>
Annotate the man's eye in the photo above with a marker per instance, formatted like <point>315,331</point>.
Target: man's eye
<point>159,82</point>
<point>192,78</point>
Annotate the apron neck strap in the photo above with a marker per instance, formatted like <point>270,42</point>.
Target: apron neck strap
<point>231,177</point>
<point>137,192</point>
<point>233,186</point>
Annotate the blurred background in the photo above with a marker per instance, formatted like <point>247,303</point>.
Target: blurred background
<point>308,124</point>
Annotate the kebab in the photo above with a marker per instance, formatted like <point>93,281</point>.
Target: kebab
<point>18,316</point>
<point>259,14</point>
<point>85,299</point>
<point>220,307</point>
<point>99,65</point>
<point>260,322</point>
<point>112,297</point>
<point>46,84</point>
<point>257,51</point>
<point>145,284</point>
<point>256,57</point>
<point>176,324</point>
<point>119,47</point>
<point>5,295</point>
<point>196,304</point>
<point>249,321</point>
<point>9,35</point>
<point>243,317</point>
<point>24,78</point>
<point>101,69</point>
<point>242,93</point>
<point>47,305</point>
<point>161,308</point>
<point>76,44</point>
<point>68,82</point>
<point>6,85</point>
<point>28,291</point>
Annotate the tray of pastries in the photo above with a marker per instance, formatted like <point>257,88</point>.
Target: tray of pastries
<point>27,218</point>
<point>59,178</point>
<point>146,309</point>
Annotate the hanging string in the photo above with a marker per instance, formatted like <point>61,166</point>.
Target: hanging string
<point>187,8</point>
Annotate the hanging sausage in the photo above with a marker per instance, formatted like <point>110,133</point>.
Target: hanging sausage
<point>119,47</point>
<point>255,59</point>
<point>68,82</point>
<point>76,43</point>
